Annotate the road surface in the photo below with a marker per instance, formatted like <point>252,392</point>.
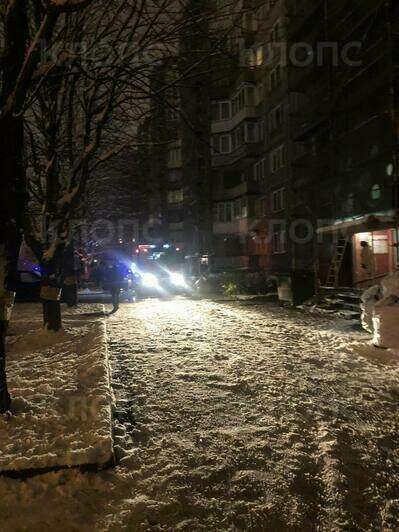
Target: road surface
<point>250,418</point>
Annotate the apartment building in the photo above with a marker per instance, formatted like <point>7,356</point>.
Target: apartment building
<point>285,158</point>
<point>178,200</point>
<point>345,137</point>
<point>252,147</point>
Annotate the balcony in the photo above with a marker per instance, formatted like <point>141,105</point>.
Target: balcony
<point>176,226</point>
<point>248,150</point>
<point>239,226</point>
<point>312,114</point>
<point>243,189</point>
<point>220,126</point>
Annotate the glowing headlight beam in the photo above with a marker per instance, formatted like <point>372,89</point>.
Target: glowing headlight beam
<point>149,280</point>
<point>177,279</point>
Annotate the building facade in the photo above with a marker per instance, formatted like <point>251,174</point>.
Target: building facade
<point>345,177</point>
<point>284,159</point>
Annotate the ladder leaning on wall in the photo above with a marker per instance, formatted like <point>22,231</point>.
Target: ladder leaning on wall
<point>340,247</point>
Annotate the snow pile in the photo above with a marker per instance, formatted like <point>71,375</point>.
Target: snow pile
<point>385,323</point>
<point>61,397</point>
<point>385,316</point>
<point>390,285</point>
<point>369,298</point>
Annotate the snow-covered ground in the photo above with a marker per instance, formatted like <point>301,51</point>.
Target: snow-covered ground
<point>233,418</point>
<point>60,388</point>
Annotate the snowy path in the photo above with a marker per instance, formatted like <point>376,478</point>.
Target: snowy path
<point>231,418</point>
<point>253,419</point>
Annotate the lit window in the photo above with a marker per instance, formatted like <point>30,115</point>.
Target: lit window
<point>259,56</point>
<point>376,192</point>
<point>175,196</point>
<point>244,207</point>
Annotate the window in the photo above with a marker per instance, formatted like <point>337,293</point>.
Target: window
<point>249,21</point>
<point>276,118</point>
<point>171,114</point>
<point>246,96</point>
<point>221,110</point>
<point>349,203</point>
<point>279,242</point>
<point>173,101</point>
<point>221,144</point>
<point>376,192</point>
<point>175,155</point>
<point>237,208</point>
<point>235,106</point>
<point>174,175</point>
<point>244,208</point>
<point>175,196</point>
<point>250,95</point>
<point>380,244</point>
<point>225,144</point>
<point>251,132</point>
<point>260,170</point>
<point>275,77</point>
<point>240,208</point>
<point>224,212</point>
<point>262,130</point>
<point>241,100</point>
<point>278,200</point>
<point>261,207</point>
<point>277,159</point>
<point>275,32</point>
<point>259,56</point>
<point>238,137</point>
<point>250,59</point>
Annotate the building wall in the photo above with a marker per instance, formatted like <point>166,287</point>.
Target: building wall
<point>343,132</point>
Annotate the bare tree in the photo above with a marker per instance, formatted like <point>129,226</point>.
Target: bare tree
<point>19,60</point>
<point>72,72</point>
<point>97,88</point>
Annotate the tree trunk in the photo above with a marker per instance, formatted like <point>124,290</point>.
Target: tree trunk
<point>12,209</point>
<point>5,400</point>
<point>52,315</point>
<point>6,304</point>
<point>70,294</point>
<point>13,198</point>
<point>50,294</point>
<point>51,288</point>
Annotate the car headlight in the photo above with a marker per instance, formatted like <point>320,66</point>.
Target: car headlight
<point>177,279</point>
<point>150,280</point>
